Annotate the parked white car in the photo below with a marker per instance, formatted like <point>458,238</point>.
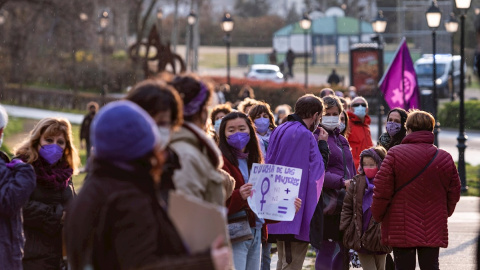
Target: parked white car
<point>265,73</point>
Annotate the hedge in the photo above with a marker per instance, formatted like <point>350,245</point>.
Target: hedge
<point>449,114</point>
<point>273,93</point>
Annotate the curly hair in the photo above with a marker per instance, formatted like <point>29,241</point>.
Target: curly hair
<point>260,108</point>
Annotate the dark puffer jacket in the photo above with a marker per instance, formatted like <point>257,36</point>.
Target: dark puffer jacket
<point>42,220</point>
<point>417,215</point>
<point>117,222</point>
<point>352,220</point>
<point>16,185</point>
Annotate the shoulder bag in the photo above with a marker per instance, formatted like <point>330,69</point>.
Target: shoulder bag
<point>239,227</point>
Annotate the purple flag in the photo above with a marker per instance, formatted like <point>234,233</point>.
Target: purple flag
<point>399,84</point>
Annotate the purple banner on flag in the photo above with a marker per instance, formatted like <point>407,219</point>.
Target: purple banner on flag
<point>399,84</point>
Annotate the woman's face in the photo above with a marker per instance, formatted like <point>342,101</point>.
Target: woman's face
<point>369,163</point>
<point>332,111</point>
<point>394,117</point>
<point>261,115</point>
<point>163,119</point>
<point>219,115</point>
<point>236,125</point>
<point>56,139</point>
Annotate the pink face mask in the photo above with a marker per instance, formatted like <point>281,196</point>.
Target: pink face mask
<point>370,172</point>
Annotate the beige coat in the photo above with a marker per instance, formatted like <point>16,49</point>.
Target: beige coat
<point>351,221</point>
<point>200,161</point>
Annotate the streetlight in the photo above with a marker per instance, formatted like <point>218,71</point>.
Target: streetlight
<point>462,6</point>
<point>434,16</point>
<point>451,25</point>
<point>104,20</point>
<point>227,27</point>
<point>305,24</point>
<point>379,24</point>
<point>159,20</point>
<point>191,20</point>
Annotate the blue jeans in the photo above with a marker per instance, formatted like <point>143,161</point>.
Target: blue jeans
<point>246,254</point>
<point>266,260</point>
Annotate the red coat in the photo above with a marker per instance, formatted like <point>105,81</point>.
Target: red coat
<point>359,136</point>
<point>417,215</point>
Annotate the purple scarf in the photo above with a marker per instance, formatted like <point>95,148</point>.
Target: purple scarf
<point>239,154</point>
<point>54,177</point>
<point>366,203</point>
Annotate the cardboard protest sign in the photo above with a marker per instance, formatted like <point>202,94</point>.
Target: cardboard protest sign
<point>274,191</point>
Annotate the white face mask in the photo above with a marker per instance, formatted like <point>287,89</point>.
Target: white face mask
<point>341,127</point>
<point>164,136</point>
<point>331,122</point>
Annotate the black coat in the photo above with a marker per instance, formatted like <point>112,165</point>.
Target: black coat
<point>117,222</point>
<point>42,220</point>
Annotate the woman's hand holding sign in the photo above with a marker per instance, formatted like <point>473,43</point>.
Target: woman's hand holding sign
<point>298,204</point>
<point>246,190</point>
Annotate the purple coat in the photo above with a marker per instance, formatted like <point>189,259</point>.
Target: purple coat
<point>293,145</point>
<point>334,172</point>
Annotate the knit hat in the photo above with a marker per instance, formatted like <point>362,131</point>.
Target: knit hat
<point>122,131</point>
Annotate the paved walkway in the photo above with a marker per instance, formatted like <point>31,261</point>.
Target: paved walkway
<point>463,228</point>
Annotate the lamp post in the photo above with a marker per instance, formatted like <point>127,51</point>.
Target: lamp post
<point>159,21</point>
<point>104,20</point>
<point>451,25</point>
<point>434,16</point>
<point>379,24</point>
<point>227,27</point>
<point>191,20</point>
<point>462,6</point>
<point>305,24</point>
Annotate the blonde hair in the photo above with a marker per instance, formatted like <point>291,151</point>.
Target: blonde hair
<point>50,126</point>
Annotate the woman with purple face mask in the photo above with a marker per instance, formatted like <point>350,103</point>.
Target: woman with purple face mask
<point>239,146</point>
<point>395,127</point>
<point>50,150</point>
<point>264,122</point>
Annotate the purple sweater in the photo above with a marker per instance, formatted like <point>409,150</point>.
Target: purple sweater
<point>334,171</point>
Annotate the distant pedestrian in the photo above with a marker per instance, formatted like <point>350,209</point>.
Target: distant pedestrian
<point>395,128</point>
<point>359,135</point>
<point>50,150</point>
<point>272,57</point>
<point>117,221</point>
<point>216,116</point>
<point>92,108</point>
<point>360,232</point>
<point>344,128</point>
<point>281,113</point>
<point>290,59</point>
<point>333,78</point>
<point>327,92</point>
<point>416,190</point>
<point>293,144</point>
<point>17,182</point>
<point>245,105</point>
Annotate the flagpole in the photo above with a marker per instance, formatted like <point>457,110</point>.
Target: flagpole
<point>390,66</point>
<point>403,82</point>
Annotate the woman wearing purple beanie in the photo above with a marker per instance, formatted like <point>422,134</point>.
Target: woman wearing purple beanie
<point>117,221</point>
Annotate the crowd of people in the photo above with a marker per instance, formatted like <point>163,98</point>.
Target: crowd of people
<point>355,200</point>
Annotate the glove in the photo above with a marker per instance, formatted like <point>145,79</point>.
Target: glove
<point>13,163</point>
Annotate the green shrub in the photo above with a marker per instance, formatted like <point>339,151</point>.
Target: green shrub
<point>448,115</point>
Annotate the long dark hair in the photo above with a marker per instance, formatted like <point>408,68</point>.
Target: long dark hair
<point>397,138</point>
<point>254,153</point>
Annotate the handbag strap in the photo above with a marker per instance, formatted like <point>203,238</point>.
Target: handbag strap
<point>418,174</point>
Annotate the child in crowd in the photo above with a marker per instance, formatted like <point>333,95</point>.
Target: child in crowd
<point>357,216</point>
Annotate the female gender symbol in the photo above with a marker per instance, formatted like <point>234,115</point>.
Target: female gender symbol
<point>264,190</point>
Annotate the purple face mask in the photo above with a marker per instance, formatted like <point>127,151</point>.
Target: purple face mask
<point>238,140</point>
<point>262,124</point>
<point>51,153</point>
<point>393,128</point>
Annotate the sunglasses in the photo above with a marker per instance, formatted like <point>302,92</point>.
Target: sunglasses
<point>359,104</point>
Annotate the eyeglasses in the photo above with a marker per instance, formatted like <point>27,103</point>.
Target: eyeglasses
<point>359,104</point>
